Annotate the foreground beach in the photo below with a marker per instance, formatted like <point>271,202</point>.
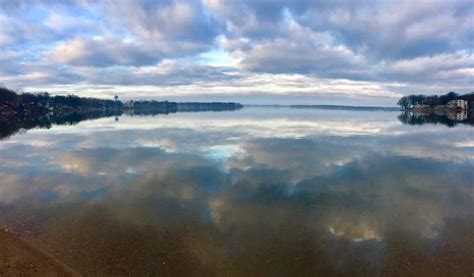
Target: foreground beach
<point>19,258</point>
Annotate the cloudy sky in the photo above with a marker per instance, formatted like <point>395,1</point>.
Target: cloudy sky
<point>260,51</point>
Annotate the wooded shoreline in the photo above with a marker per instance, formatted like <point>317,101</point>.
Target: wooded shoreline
<point>437,103</point>
<point>31,105</point>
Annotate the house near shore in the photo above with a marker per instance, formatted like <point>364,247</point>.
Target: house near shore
<point>421,107</point>
<point>128,104</point>
<point>458,104</point>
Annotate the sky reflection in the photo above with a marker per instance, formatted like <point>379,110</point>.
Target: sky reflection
<point>257,191</point>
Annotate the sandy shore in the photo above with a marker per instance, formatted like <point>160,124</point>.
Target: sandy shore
<point>20,258</point>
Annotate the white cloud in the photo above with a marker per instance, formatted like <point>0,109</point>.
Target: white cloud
<point>211,47</point>
<point>102,52</point>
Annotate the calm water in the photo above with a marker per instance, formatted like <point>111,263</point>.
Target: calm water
<point>259,191</point>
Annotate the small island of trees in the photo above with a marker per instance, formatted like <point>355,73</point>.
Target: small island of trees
<point>449,109</point>
<point>433,101</point>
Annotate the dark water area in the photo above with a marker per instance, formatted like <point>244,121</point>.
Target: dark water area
<point>253,192</point>
<point>13,125</point>
<point>449,119</point>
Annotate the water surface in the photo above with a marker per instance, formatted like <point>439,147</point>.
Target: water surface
<point>259,191</point>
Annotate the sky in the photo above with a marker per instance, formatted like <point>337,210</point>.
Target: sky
<point>252,52</point>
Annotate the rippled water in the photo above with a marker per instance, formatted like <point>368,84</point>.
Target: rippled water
<point>259,191</point>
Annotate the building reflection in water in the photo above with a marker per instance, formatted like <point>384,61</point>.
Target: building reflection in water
<point>272,192</point>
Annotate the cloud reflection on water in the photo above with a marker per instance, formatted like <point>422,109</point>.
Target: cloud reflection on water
<point>230,200</point>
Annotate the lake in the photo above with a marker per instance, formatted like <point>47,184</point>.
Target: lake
<point>261,191</point>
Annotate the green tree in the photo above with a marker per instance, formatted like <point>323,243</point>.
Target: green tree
<point>404,102</point>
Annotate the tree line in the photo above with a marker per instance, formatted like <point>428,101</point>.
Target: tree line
<point>44,99</point>
<point>33,104</point>
<point>410,101</point>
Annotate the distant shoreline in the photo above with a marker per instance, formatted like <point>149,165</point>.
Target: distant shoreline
<point>329,107</point>
<point>19,105</point>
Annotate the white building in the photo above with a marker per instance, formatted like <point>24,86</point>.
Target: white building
<point>129,104</point>
<point>458,103</point>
